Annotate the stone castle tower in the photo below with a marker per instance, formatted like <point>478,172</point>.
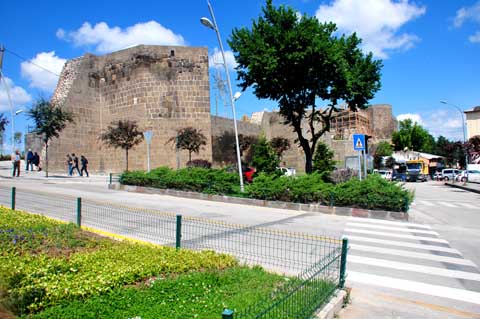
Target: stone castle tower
<point>162,88</point>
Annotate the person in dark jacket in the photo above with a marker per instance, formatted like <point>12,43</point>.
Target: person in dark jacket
<point>36,161</point>
<point>84,162</point>
<point>29,160</point>
<point>75,164</point>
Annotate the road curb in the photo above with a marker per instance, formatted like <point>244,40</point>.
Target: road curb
<point>464,188</point>
<point>315,208</point>
<point>331,309</point>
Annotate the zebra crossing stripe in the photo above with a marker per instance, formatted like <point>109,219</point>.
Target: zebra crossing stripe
<point>448,204</point>
<point>387,222</point>
<point>414,268</point>
<point>467,205</point>
<point>415,286</point>
<point>413,237</point>
<point>403,244</point>
<point>411,254</point>
<point>425,203</point>
<point>399,229</point>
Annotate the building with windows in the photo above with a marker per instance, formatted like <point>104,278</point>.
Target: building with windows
<point>473,122</point>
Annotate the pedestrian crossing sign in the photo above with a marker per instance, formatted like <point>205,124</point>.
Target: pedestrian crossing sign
<point>358,142</point>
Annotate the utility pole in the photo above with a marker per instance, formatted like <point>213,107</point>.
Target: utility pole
<point>2,50</point>
<point>2,78</point>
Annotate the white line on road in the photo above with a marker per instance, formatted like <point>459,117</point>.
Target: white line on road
<point>411,254</point>
<point>414,286</point>
<point>413,267</point>
<point>379,233</point>
<point>425,203</point>
<point>448,204</point>
<point>467,205</point>
<point>403,244</point>
<point>387,222</point>
<point>399,229</point>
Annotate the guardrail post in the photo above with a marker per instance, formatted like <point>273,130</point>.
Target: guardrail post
<point>227,314</point>
<point>14,195</point>
<point>79,211</point>
<point>332,199</point>
<point>343,262</point>
<point>178,235</point>
<point>111,178</point>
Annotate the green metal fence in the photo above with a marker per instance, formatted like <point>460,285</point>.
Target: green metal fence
<point>316,265</point>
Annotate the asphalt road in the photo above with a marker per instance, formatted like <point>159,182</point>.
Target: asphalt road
<point>426,268</point>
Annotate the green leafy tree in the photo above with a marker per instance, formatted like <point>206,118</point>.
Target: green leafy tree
<point>50,119</point>
<point>414,137</point>
<point>264,158</point>
<point>17,137</point>
<point>189,139</point>
<point>280,145</point>
<point>297,61</point>
<point>124,135</point>
<point>323,158</point>
<point>377,161</point>
<point>390,162</point>
<point>3,122</point>
<point>384,149</point>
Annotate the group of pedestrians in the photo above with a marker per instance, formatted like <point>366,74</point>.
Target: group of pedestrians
<point>31,160</point>
<point>72,164</point>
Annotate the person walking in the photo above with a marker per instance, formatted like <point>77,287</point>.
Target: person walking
<point>84,162</point>
<point>16,163</point>
<point>75,164</point>
<point>69,163</point>
<point>29,160</point>
<point>36,161</point>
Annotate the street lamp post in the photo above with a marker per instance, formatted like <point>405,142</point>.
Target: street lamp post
<point>213,25</point>
<point>464,134</point>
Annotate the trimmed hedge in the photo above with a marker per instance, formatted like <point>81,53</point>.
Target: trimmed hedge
<point>371,193</point>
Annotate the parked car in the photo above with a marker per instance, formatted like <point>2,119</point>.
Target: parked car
<point>473,176</point>
<point>449,174</point>
<point>248,174</point>
<point>288,171</point>
<point>387,174</point>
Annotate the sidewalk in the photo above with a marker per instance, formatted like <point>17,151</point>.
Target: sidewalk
<point>471,187</point>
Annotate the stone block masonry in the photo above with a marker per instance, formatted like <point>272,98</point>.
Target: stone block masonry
<point>162,88</point>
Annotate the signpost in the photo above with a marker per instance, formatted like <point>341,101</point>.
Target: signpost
<point>359,145</point>
<point>148,138</point>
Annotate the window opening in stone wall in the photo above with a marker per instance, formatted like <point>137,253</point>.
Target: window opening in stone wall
<point>172,53</point>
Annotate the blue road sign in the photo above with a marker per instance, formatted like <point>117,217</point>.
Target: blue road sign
<point>358,142</point>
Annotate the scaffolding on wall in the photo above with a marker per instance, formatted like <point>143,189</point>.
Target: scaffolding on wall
<point>345,122</point>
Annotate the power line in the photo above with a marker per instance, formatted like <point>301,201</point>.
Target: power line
<point>28,61</point>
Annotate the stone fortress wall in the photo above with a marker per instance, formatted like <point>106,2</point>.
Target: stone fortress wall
<point>163,89</point>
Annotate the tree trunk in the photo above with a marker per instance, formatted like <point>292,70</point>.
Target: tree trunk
<point>126,158</point>
<point>189,156</point>
<point>308,162</point>
<point>46,159</point>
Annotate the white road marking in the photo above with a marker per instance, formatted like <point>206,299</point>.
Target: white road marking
<point>425,203</point>
<point>414,286</point>
<point>467,205</point>
<point>403,244</point>
<point>411,254</point>
<point>387,222</point>
<point>370,232</point>
<point>448,204</point>
<point>399,229</point>
<point>413,267</point>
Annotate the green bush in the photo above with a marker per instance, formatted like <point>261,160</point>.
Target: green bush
<point>44,262</point>
<point>195,179</point>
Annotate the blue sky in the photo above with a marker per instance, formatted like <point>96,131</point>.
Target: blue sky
<point>430,48</point>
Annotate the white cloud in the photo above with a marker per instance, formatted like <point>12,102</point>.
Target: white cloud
<point>416,118</point>
<point>216,60</point>
<point>472,14</point>
<point>377,22</point>
<point>19,96</point>
<point>38,76</point>
<point>108,39</point>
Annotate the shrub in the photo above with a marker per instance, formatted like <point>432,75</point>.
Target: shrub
<point>323,159</point>
<point>264,158</point>
<point>199,163</point>
<point>342,175</point>
<point>269,187</point>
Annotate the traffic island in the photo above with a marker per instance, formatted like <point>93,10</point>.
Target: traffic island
<point>471,187</point>
<point>316,208</point>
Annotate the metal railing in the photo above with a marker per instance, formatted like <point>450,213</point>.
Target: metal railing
<point>316,264</point>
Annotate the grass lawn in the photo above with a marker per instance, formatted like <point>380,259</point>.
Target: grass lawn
<point>50,269</point>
